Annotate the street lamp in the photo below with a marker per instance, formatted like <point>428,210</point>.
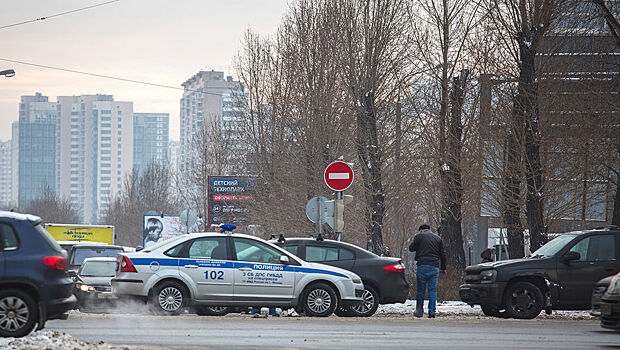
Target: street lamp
<point>8,73</point>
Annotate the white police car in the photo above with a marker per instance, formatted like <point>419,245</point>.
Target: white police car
<point>207,269</point>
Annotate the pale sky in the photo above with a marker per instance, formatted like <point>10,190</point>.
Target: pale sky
<point>159,41</point>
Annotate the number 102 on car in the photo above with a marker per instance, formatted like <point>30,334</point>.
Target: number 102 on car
<point>214,275</point>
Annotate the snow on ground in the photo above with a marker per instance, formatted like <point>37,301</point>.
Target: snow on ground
<point>53,340</point>
<point>45,339</point>
<point>459,308</point>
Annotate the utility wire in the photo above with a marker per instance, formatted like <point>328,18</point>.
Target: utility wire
<point>108,77</point>
<point>58,14</point>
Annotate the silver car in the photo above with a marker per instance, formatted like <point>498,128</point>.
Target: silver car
<point>224,269</point>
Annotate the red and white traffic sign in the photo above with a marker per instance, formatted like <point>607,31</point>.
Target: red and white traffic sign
<point>338,175</point>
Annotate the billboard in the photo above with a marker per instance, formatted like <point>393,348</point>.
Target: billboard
<point>228,197</point>
<point>87,233</point>
<point>158,228</point>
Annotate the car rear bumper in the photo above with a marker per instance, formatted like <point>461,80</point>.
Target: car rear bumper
<point>482,294</point>
<point>55,307</point>
<point>395,292</point>
<point>125,286</point>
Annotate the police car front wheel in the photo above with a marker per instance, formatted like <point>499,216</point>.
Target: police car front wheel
<point>169,298</point>
<point>320,300</point>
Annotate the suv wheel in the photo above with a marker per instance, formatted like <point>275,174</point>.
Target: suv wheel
<point>492,311</point>
<point>369,305</point>
<point>320,300</point>
<point>523,300</point>
<point>169,298</point>
<point>18,313</point>
<point>212,310</point>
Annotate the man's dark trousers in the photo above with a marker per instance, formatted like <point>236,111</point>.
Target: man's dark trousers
<point>426,275</point>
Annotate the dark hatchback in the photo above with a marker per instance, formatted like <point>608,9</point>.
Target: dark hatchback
<point>34,284</point>
<point>597,293</point>
<point>383,277</point>
<point>559,276</point>
<point>610,305</point>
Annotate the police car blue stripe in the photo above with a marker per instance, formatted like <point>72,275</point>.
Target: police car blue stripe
<point>326,272</point>
<point>224,264</point>
<point>149,261</point>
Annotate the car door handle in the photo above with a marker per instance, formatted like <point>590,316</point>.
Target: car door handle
<point>245,269</point>
<point>190,266</point>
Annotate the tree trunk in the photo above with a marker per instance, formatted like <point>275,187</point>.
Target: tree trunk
<point>511,196</point>
<point>370,159</point>
<point>615,218</point>
<point>450,227</point>
<point>527,97</point>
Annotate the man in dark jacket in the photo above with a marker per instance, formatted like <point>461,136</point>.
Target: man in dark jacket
<point>431,258</point>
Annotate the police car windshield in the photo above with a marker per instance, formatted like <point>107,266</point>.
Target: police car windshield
<point>552,247</point>
<point>162,243</point>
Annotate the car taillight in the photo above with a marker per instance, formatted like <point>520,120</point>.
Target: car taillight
<point>55,263</point>
<point>395,268</point>
<point>126,265</point>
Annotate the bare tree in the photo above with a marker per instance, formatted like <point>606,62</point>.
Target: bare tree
<point>141,192</point>
<point>52,208</point>
<point>375,36</point>
<point>524,24</point>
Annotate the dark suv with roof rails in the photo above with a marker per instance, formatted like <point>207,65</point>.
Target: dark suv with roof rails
<point>561,275</point>
<point>383,277</point>
<point>34,284</point>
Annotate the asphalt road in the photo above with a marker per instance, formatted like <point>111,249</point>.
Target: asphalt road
<point>377,332</point>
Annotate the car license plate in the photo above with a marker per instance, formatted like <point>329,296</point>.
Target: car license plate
<point>606,309</point>
<point>105,295</point>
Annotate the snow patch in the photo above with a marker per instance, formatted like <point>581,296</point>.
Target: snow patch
<point>45,339</point>
<point>461,309</point>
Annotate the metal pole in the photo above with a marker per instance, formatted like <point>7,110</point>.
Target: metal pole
<point>339,213</point>
<point>319,202</point>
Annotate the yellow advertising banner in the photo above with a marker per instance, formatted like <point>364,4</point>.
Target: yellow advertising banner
<point>86,233</point>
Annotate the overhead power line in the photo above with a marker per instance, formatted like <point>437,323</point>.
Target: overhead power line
<point>58,14</point>
<point>108,77</point>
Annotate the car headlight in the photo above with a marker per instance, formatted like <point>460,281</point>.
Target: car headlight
<point>85,288</point>
<point>614,286</point>
<point>488,276</point>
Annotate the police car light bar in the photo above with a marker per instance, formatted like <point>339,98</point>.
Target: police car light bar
<point>227,228</point>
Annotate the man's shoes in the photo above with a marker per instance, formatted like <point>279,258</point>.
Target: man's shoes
<point>418,313</point>
<point>431,315</point>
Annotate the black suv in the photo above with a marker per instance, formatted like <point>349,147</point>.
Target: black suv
<point>34,284</point>
<point>559,276</point>
<point>383,277</point>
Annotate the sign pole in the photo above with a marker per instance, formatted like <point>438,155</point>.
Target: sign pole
<point>320,202</point>
<point>338,215</point>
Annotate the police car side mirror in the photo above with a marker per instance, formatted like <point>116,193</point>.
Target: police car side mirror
<point>139,248</point>
<point>284,260</point>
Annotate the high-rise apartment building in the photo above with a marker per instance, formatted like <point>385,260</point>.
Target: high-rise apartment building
<point>6,174</point>
<point>36,137</point>
<point>95,151</point>
<point>209,100</point>
<point>15,162</point>
<point>150,139</point>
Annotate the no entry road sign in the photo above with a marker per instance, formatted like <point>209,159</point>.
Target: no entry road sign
<point>338,176</point>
